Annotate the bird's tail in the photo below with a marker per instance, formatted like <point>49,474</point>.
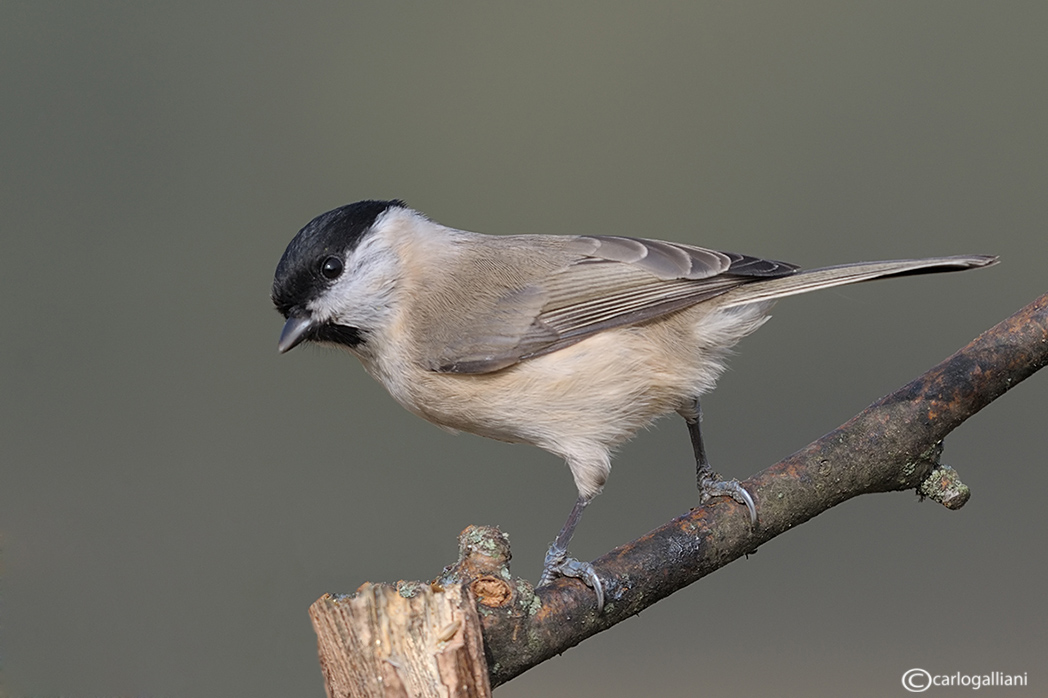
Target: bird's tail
<point>804,281</point>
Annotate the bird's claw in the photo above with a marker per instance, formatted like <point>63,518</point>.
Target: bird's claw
<point>712,487</point>
<point>558,563</point>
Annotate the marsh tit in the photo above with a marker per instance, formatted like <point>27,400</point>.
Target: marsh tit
<point>569,343</point>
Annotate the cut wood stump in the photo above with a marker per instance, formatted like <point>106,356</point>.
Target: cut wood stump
<point>410,640</point>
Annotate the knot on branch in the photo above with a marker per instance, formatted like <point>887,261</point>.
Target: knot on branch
<point>483,565</point>
<point>943,485</point>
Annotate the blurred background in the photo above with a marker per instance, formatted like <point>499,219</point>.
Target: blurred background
<point>174,494</point>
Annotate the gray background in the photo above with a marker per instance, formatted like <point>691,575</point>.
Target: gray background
<point>174,494</point>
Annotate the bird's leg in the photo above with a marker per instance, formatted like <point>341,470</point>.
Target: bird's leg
<point>710,484</point>
<point>558,563</point>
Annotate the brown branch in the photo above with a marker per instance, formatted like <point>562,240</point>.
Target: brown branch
<point>892,445</point>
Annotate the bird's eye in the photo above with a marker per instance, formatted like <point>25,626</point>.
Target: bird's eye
<point>331,268</point>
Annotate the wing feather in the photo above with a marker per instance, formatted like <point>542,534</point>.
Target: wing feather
<point>539,294</point>
<point>604,282</point>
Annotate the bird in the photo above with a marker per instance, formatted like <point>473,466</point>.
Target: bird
<point>571,343</point>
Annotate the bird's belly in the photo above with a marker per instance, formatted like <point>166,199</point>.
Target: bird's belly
<point>602,390</point>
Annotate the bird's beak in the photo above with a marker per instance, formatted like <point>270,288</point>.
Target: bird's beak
<point>296,330</point>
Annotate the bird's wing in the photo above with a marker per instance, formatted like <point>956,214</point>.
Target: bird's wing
<point>602,282</point>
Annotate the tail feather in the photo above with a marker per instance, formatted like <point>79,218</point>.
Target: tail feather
<point>815,279</point>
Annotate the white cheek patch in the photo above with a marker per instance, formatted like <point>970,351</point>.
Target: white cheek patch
<point>362,295</point>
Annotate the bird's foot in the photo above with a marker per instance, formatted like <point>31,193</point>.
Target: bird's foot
<point>711,486</point>
<point>558,564</point>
